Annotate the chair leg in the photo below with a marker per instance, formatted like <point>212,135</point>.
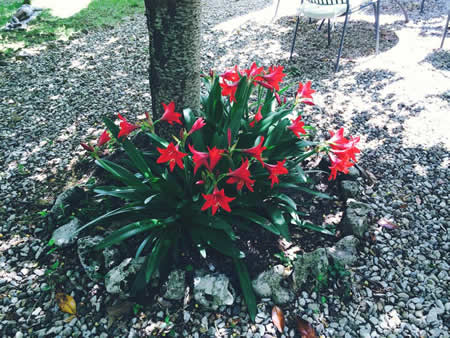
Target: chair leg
<point>377,28</point>
<point>336,68</point>
<point>276,10</point>
<point>295,36</point>
<point>445,31</point>
<point>329,33</point>
<point>321,24</point>
<point>421,6</point>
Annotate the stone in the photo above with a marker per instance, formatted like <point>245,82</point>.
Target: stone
<point>175,285</point>
<point>344,252</point>
<point>213,290</point>
<point>66,201</point>
<point>267,284</point>
<point>353,173</point>
<point>312,264</point>
<point>66,234</point>
<point>112,257</point>
<point>118,279</point>
<point>91,261</point>
<point>349,189</point>
<point>355,218</point>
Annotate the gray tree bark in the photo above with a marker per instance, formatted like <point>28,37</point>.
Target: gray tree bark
<point>174,36</point>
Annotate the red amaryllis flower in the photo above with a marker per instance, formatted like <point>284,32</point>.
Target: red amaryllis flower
<point>199,158</point>
<point>275,76</point>
<point>338,164</point>
<point>343,147</point>
<point>229,137</point>
<point>257,151</point>
<point>217,199</point>
<point>277,96</point>
<point>198,124</point>
<point>241,176</point>
<point>104,138</point>
<point>265,85</point>
<point>253,73</point>
<point>214,155</point>
<point>297,126</point>
<point>304,91</point>
<point>170,115</point>
<point>258,117</point>
<point>87,147</point>
<point>171,155</point>
<point>276,170</point>
<point>229,89</point>
<point>125,126</point>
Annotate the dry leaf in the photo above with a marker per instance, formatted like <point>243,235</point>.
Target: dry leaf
<point>278,318</point>
<point>384,223</point>
<point>66,303</point>
<point>305,329</point>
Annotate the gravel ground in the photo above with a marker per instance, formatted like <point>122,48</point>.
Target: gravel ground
<point>398,102</point>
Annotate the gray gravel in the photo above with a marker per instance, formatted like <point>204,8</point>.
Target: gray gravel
<point>398,102</point>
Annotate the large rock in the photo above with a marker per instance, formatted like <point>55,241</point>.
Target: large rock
<point>355,218</point>
<point>66,234</point>
<point>267,284</point>
<point>117,280</point>
<point>91,261</point>
<point>66,201</point>
<point>345,251</point>
<point>349,189</point>
<point>312,265</point>
<point>175,285</point>
<point>213,290</point>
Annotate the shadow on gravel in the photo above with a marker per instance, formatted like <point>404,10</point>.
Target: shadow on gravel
<point>439,59</point>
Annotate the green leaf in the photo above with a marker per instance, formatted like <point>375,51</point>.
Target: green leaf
<point>143,245</point>
<point>218,240</point>
<point>279,221</point>
<point>160,249</point>
<point>134,154</point>
<point>315,193</point>
<point>160,141</point>
<point>314,227</point>
<point>126,193</point>
<point>122,174</point>
<point>124,210</point>
<point>128,231</point>
<point>217,223</point>
<point>246,286</point>
<point>255,218</point>
<point>286,199</point>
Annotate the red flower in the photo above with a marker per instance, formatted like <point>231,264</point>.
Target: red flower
<point>256,151</point>
<point>199,158</point>
<point>258,117</point>
<point>343,147</point>
<point>253,73</point>
<point>338,164</point>
<point>214,155</point>
<point>209,159</point>
<point>275,170</point>
<point>104,137</point>
<point>304,92</point>
<point>198,124</point>
<point>171,155</point>
<point>125,127</point>
<point>297,126</point>
<point>229,137</point>
<point>241,176</point>
<point>275,76</point>
<point>231,75</point>
<point>265,85</point>
<point>217,199</point>
<point>229,82</point>
<point>87,147</point>
<point>170,115</point>
<point>277,96</point>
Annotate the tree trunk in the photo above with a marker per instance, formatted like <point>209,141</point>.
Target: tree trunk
<point>174,36</point>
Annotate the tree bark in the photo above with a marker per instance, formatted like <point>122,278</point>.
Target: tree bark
<point>174,37</point>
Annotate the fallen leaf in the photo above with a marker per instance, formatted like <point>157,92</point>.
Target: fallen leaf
<point>384,223</point>
<point>66,303</point>
<point>278,318</point>
<point>418,200</point>
<point>305,329</point>
<point>373,237</point>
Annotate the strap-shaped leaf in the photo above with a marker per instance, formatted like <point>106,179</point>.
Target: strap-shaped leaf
<point>246,286</point>
<point>143,244</point>
<point>128,231</point>
<point>122,174</point>
<point>315,193</point>
<point>255,218</point>
<point>160,141</point>
<point>120,192</point>
<point>279,221</point>
<point>286,199</point>
<point>160,249</point>
<point>134,154</point>
<point>217,223</point>
<point>124,210</point>
<point>218,240</point>
<point>314,227</point>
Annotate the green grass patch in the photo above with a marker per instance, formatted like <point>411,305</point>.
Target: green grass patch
<point>99,14</point>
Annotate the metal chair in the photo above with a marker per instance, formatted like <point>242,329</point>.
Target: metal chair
<point>330,9</point>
